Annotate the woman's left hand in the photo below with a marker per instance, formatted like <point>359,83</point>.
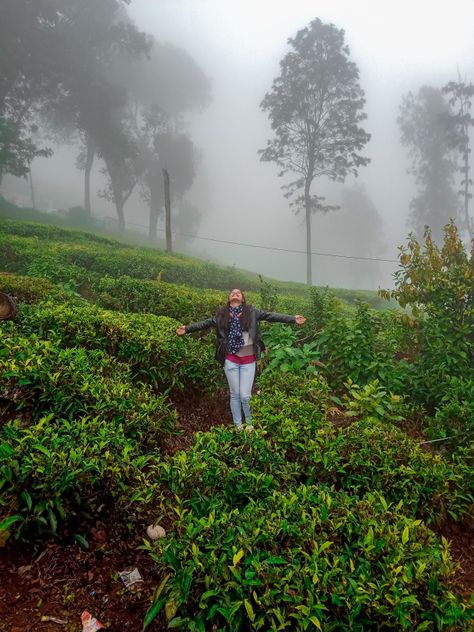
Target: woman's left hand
<point>300,320</point>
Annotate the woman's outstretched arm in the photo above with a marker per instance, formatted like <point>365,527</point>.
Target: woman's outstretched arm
<point>274,317</point>
<point>199,326</point>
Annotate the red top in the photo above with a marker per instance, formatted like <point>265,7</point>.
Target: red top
<point>241,359</point>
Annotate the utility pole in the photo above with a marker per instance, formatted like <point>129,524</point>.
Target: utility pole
<point>32,190</point>
<point>166,179</point>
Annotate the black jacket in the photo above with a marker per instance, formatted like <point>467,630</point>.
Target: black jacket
<point>254,331</point>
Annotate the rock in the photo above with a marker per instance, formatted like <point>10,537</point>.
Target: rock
<point>155,531</point>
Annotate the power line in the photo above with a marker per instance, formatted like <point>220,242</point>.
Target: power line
<point>239,243</point>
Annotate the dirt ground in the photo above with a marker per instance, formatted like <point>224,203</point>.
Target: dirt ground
<point>62,580</point>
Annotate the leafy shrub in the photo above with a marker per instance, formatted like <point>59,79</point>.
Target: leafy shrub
<point>162,299</point>
<point>372,400</point>
<point>378,456</point>
<point>436,283</point>
<point>309,559</point>
<point>311,389</point>
<point>41,377</point>
<point>29,289</point>
<point>147,343</point>
<point>55,469</point>
<point>293,359</point>
<point>223,466</point>
<point>268,295</point>
<point>455,415</point>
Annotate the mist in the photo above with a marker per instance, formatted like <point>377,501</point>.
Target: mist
<point>237,49</point>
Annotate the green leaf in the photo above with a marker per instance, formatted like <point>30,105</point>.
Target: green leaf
<point>237,557</point>
<point>178,622</point>
<point>52,520</point>
<point>6,451</point>
<point>405,535</point>
<point>81,541</point>
<point>153,611</point>
<point>43,449</point>
<point>27,499</point>
<point>250,612</point>
<point>7,523</point>
<point>316,622</point>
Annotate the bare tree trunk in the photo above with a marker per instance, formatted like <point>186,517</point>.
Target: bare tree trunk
<point>166,179</point>
<point>120,214</point>
<point>87,175</point>
<point>153,183</point>
<point>307,203</point>
<point>32,190</point>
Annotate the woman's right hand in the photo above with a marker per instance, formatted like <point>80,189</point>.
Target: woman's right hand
<point>181,330</point>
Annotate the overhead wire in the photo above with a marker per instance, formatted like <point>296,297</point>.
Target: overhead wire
<point>274,248</point>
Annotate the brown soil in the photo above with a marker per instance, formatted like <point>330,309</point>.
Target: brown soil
<point>62,580</point>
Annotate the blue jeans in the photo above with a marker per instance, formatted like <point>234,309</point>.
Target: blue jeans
<point>240,378</point>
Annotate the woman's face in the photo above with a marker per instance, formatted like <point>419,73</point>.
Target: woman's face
<point>236,296</point>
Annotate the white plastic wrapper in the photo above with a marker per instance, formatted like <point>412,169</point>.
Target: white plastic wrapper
<point>132,579</point>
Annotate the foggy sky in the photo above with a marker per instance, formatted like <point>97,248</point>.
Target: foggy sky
<point>398,47</point>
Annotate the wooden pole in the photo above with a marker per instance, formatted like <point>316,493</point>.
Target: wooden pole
<point>32,190</point>
<point>166,179</point>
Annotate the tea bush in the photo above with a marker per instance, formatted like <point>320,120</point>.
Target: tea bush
<point>29,289</point>
<point>60,254</point>
<point>354,347</point>
<point>454,418</point>
<point>56,473</point>
<point>156,297</point>
<point>376,455</point>
<point>148,344</point>
<point>47,232</point>
<point>223,467</point>
<point>39,377</point>
<point>306,559</point>
<point>372,400</point>
<point>78,253</point>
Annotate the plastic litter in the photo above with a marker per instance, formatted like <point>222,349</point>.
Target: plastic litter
<point>90,623</point>
<point>54,620</point>
<point>131,579</point>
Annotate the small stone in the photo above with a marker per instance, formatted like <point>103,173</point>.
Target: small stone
<point>155,531</point>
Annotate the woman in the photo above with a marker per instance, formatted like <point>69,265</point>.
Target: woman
<point>238,347</point>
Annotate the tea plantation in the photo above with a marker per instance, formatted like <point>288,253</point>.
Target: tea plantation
<point>331,516</point>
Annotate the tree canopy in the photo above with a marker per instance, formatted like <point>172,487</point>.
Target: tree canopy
<point>430,141</point>
<point>315,108</point>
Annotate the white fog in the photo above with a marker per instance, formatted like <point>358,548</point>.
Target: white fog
<point>398,47</point>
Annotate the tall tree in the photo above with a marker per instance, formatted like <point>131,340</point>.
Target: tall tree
<point>57,56</point>
<point>163,89</point>
<point>315,108</point>
<point>26,80</point>
<point>460,96</point>
<point>164,148</point>
<point>424,130</point>
<point>95,33</point>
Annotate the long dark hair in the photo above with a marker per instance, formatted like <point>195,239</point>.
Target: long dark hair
<point>223,315</point>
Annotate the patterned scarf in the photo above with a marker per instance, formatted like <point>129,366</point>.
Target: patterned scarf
<point>236,340</point>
